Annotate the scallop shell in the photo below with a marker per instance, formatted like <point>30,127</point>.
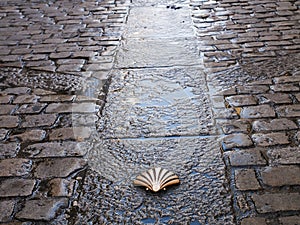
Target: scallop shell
<point>156,179</point>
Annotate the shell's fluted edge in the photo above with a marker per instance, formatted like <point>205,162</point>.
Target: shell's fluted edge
<point>156,179</point>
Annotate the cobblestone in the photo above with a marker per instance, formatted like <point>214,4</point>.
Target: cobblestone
<point>280,176</point>
<point>41,209</point>
<point>61,167</point>
<point>245,179</point>
<point>16,187</point>
<point>15,167</point>
<point>265,203</point>
<point>270,139</point>
<point>6,210</point>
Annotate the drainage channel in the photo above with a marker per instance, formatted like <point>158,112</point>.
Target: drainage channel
<point>157,114</point>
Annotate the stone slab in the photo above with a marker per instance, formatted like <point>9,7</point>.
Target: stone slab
<point>197,162</point>
<point>157,102</point>
<point>160,26</point>
<point>141,53</point>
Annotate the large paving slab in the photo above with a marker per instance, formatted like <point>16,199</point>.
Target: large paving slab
<point>111,198</point>
<point>157,102</point>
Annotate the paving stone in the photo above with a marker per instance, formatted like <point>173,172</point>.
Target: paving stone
<point>23,99</point>
<point>286,79</point>
<point>71,108</point>
<point>277,98</point>
<point>258,89</point>
<point>16,187</point>
<point>31,108</point>
<point>236,126</point>
<point>9,150</point>
<point>281,176</point>
<point>9,121</point>
<point>276,202</point>
<point>241,100</point>
<point>70,133</point>
<point>60,167</point>
<point>288,155</point>
<point>60,55</point>
<point>254,221</point>
<point>30,135</point>
<point>70,68</point>
<point>3,133</point>
<point>289,220</point>
<point>236,140</point>
<point>264,140</point>
<point>246,157</point>
<point>245,179</point>
<point>274,125</point>
<point>7,109</point>
<point>260,111</point>
<point>61,187</point>
<point>57,149</point>
<point>58,98</point>
<point>288,110</point>
<point>6,210</point>
<point>39,120</point>
<point>41,209</point>
<point>5,99</point>
<point>14,167</point>
<point>285,87</point>
<point>42,92</point>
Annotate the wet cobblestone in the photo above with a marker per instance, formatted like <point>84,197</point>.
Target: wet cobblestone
<point>56,56</point>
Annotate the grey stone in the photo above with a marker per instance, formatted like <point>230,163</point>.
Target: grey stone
<point>57,98</point>
<point>17,90</point>
<point>60,167</point>
<point>57,149</point>
<point>236,140</point>
<point>41,209</point>
<point>236,126</point>
<point>31,108</point>
<point>70,133</point>
<point>260,111</point>
<point>254,221</point>
<point>245,179</point>
<point>241,100</point>
<point>61,187</point>
<point>9,121</point>
<point>273,125</point>
<point>23,99</point>
<point>277,98</point>
<point>3,133</point>
<point>5,99</point>
<point>30,135</point>
<point>9,150</point>
<point>264,140</point>
<point>288,111</point>
<point>6,210</point>
<point>287,155</point>
<point>16,187</point>
<point>15,167</point>
<point>39,120</point>
<point>281,176</point>
<point>246,157</point>
<point>71,108</point>
<point>289,220</point>
<point>7,109</point>
<point>276,202</point>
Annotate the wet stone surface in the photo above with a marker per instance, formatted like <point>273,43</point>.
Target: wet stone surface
<point>157,102</point>
<point>197,162</point>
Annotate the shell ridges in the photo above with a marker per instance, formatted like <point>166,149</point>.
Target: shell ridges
<point>156,179</point>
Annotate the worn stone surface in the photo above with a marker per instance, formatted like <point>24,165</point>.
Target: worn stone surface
<point>41,209</point>
<point>245,179</point>
<point>265,203</point>
<point>16,187</point>
<point>270,139</point>
<point>6,210</point>
<point>60,167</point>
<point>70,133</point>
<point>246,157</point>
<point>261,111</point>
<point>288,155</point>
<point>254,221</point>
<point>15,167</point>
<point>273,125</point>
<point>281,176</point>
<point>236,140</point>
<point>61,187</point>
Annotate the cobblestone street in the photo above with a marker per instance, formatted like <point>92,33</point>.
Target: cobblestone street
<point>94,92</point>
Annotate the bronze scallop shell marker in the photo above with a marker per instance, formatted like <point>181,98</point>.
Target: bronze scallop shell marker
<point>156,179</point>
